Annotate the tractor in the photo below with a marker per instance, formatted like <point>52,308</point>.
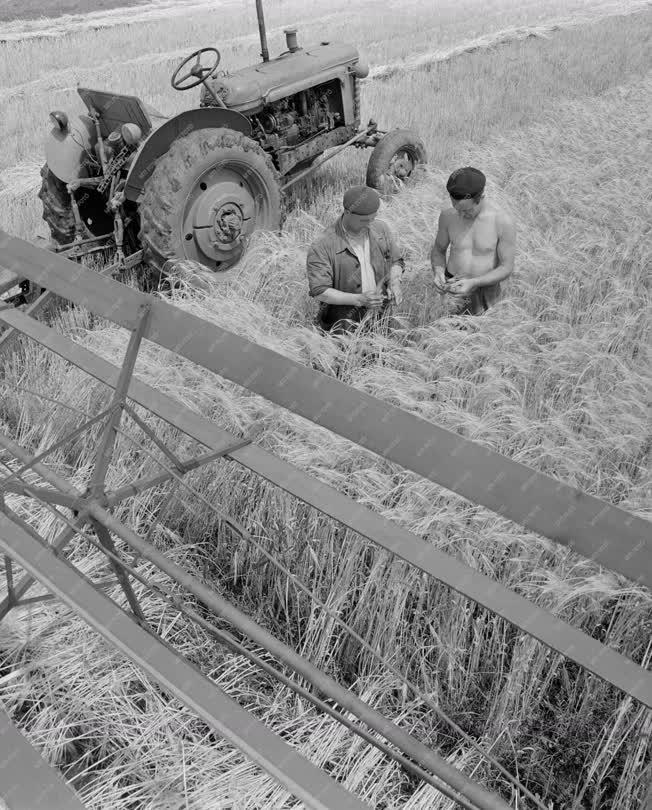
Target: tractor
<point>160,190</point>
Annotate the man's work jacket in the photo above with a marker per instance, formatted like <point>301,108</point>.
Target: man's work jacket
<point>332,263</point>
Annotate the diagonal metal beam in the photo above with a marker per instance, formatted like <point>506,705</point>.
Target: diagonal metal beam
<point>33,462</point>
<point>28,782</point>
<point>41,494</point>
<point>589,526</point>
<point>558,635</point>
<point>19,590</point>
<point>47,296</point>
<point>107,441</point>
<point>113,497</point>
<point>175,674</point>
<point>150,433</point>
<point>105,453</point>
<point>422,754</point>
<point>142,484</point>
<point>32,309</point>
<point>32,600</point>
<point>12,599</point>
<point>106,540</point>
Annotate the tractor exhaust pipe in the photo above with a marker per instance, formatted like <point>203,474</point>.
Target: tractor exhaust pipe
<point>291,39</point>
<point>261,29</point>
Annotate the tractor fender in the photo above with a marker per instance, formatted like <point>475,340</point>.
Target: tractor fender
<point>159,141</point>
<point>69,153</point>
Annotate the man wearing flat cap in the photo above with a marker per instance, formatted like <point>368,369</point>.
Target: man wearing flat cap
<point>354,266</point>
<point>481,237</point>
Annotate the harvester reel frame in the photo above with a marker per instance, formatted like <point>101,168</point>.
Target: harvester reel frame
<point>200,72</point>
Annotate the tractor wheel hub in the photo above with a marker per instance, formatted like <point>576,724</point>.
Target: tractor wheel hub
<point>222,214</point>
<point>228,223</point>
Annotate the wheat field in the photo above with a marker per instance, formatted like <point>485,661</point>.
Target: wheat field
<point>551,101</point>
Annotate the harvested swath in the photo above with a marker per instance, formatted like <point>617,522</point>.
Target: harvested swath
<point>506,36</point>
<point>55,27</point>
<point>61,80</point>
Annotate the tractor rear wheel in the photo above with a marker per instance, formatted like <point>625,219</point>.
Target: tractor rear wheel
<point>394,160</point>
<point>206,196</point>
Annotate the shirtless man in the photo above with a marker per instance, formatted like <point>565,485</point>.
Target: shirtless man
<point>482,240</point>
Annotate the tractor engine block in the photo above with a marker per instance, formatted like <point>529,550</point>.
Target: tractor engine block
<point>294,120</point>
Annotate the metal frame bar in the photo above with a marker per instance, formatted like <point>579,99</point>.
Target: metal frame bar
<point>365,133</point>
<point>233,644</point>
<point>105,454</point>
<point>142,484</point>
<point>121,575</point>
<point>176,462</point>
<point>600,531</point>
<point>9,575</point>
<point>420,753</point>
<point>28,782</point>
<point>34,461</point>
<point>32,309</point>
<point>191,336</point>
<point>113,497</point>
<point>57,546</point>
<point>228,640</point>
<point>47,296</point>
<point>31,600</point>
<point>174,673</point>
<point>40,493</point>
<point>107,441</point>
<point>78,243</point>
<point>558,635</point>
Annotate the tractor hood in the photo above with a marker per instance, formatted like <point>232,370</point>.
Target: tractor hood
<point>251,88</point>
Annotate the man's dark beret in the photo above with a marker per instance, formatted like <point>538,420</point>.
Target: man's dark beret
<point>466,183</point>
<point>361,200</point>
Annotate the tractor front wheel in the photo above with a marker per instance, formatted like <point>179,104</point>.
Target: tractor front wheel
<point>394,160</point>
<point>206,196</point>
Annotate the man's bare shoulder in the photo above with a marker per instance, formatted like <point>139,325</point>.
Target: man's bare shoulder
<point>447,220</point>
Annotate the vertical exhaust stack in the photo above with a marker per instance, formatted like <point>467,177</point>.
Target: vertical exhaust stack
<point>291,39</point>
<point>261,29</point>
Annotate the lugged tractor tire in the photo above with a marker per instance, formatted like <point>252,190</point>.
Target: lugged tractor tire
<point>193,176</point>
<point>57,208</point>
<point>380,172</point>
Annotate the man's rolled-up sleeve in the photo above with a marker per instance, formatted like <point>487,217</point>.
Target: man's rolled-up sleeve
<point>319,270</point>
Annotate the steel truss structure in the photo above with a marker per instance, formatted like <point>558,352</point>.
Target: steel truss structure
<point>595,529</point>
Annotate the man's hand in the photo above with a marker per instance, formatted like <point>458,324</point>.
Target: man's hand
<point>371,300</point>
<point>440,280</point>
<point>394,292</point>
<point>462,286</point>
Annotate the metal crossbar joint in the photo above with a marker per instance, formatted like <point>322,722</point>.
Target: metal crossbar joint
<point>42,494</point>
<point>176,461</point>
<point>104,537</point>
<point>30,600</point>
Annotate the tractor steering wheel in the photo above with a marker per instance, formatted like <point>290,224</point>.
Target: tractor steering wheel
<point>197,71</point>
